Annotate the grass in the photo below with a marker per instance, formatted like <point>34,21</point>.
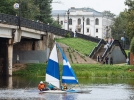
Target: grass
<point>83,71</point>
<point>83,46</point>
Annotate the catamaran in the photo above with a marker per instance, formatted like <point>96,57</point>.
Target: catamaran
<point>53,73</point>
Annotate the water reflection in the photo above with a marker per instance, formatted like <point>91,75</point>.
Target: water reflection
<point>25,88</point>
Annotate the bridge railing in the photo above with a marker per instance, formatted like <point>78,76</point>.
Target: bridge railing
<point>9,19</point>
<point>93,39</point>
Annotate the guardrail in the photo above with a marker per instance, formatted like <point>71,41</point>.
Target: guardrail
<point>115,42</point>
<point>93,39</point>
<point>96,48</point>
<point>14,20</point>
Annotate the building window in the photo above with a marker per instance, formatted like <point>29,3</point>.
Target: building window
<point>79,21</point>
<point>87,30</point>
<point>96,21</point>
<point>96,30</point>
<point>61,22</point>
<point>79,30</point>
<point>70,21</point>
<point>88,21</point>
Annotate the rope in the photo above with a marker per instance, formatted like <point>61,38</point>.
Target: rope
<point>29,83</point>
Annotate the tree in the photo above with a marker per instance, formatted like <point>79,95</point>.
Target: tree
<point>27,9</point>
<point>6,7</point>
<point>108,14</point>
<point>130,16</point>
<point>30,9</point>
<point>45,11</point>
<point>120,26</point>
<point>132,46</point>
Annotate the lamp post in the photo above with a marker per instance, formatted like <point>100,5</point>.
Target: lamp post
<point>17,6</point>
<point>83,24</point>
<point>68,19</point>
<point>124,40</point>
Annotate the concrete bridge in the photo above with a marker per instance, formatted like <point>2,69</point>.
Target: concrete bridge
<point>27,40</point>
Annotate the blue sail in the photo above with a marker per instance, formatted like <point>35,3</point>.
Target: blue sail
<point>52,70</point>
<point>68,75</point>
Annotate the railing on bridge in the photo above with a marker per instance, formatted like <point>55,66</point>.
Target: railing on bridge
<point>14,20</point>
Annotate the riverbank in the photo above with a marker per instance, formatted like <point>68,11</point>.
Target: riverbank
<point>82,70</point>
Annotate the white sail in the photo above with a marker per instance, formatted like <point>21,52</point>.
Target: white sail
<point>52,70</point>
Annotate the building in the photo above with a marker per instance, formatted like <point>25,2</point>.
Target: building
<point>86,21</point>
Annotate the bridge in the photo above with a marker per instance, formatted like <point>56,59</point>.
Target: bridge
<point>27,39</point>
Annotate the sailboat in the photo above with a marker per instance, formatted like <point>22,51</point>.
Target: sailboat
<point>53,72</point>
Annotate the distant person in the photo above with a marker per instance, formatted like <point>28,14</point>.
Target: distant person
<point>127,61</point>
<point>51,87</point>
<point>111,60</point>
<point>17,59</point>
<point>64,86</point>
<point>106,60</point>
<point>42,86</point>
<point>98,58</point>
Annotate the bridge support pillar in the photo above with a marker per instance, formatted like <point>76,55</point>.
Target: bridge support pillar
<point>10,57</point>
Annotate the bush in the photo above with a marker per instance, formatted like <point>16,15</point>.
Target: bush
<point>68,35</point>
<point>132,46</point>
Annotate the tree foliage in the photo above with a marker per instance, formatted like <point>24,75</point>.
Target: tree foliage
<point>37,10</point>
<point>119,27</point>
<point>124,23</point>
<point>132,46</point>
<point>130,17</point>
<point>6,6</point>
<point>45,11</point>
<point>108,13</point>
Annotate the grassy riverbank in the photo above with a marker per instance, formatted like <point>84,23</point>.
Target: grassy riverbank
<point>82,70</point>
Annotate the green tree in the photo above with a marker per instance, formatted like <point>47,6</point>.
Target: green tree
<point>108,14</point>
<point>27,9</point>
<point>130,16</point>
<point>118,29</point>
<point>45,11</point>
<point>132,45</point>
<point>6,7</point>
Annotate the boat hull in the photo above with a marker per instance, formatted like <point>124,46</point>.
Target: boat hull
<point>78,91</point>
<point>54,91</point>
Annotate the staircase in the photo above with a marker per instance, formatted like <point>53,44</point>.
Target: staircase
<point>99,52</point>
<point>73,56</point>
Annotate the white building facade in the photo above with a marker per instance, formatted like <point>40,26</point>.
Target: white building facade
<point>86,21</point>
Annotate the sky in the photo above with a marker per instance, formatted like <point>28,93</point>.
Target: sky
<point>114,6</point>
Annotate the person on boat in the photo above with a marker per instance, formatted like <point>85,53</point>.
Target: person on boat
<point>64,87</point>
<point>42,86</point>
<point>51,87</point>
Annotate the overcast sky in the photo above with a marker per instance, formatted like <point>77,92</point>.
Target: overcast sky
<point>115,6</point>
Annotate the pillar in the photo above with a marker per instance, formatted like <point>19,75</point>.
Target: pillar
<point>10,82</point>
<point>10,57</point>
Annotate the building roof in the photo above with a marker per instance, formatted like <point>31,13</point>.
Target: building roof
<point>72,9</point>
<point>60,12</point>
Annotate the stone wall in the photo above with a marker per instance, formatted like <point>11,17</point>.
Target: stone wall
<point>118,56</point>
<point>32,50</point>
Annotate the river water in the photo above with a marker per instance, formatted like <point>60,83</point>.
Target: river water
<point>25,88</point>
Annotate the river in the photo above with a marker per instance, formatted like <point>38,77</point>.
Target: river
<point>25,88</point>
